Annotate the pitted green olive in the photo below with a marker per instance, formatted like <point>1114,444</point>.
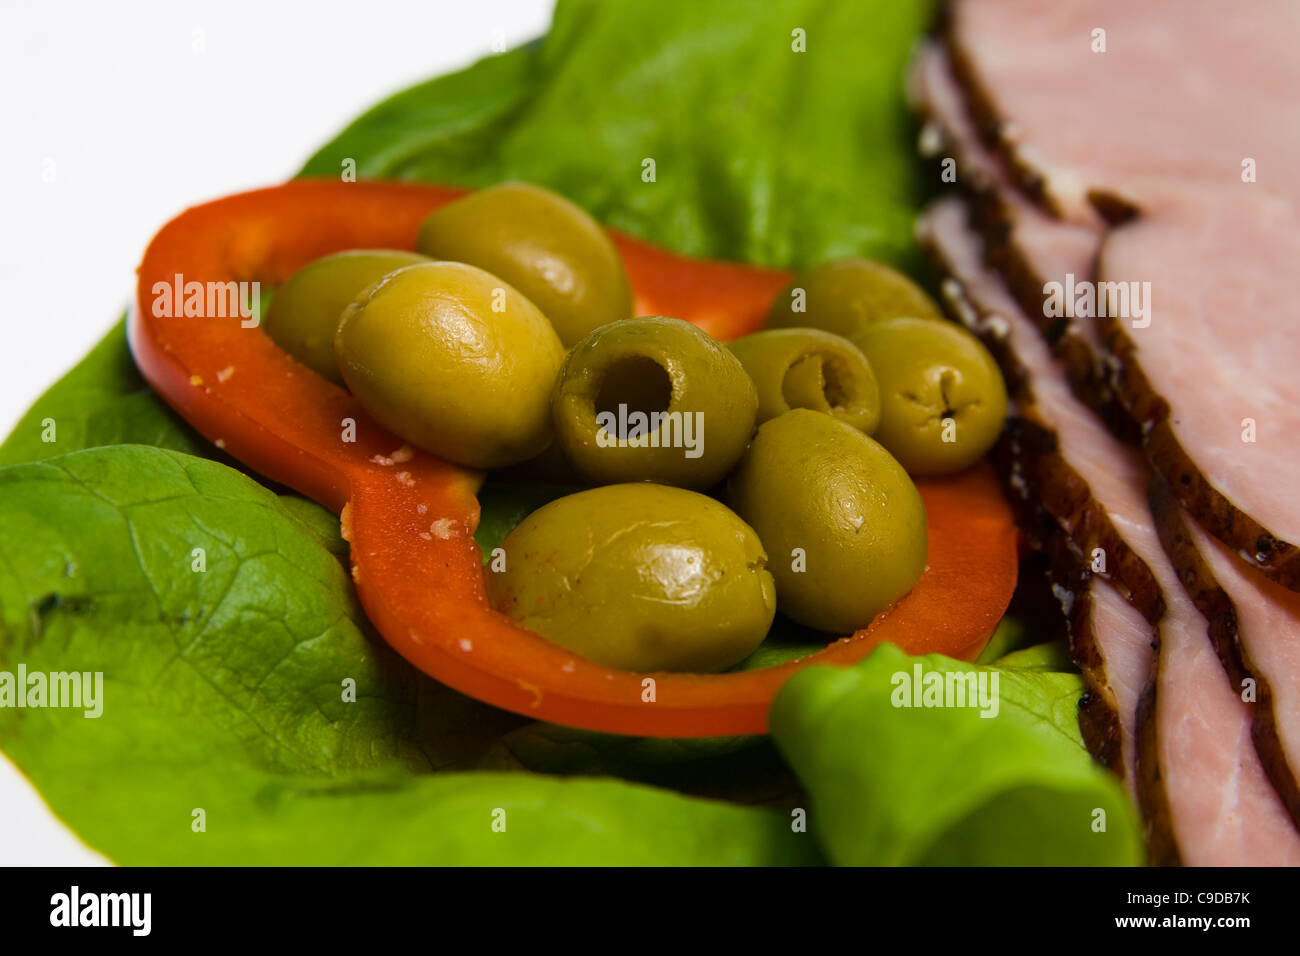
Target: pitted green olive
<point>808,368</point>
<point>653,399</point>
<point>942,398</point>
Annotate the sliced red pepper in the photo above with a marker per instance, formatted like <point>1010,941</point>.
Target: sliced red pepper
<point>410,517</point>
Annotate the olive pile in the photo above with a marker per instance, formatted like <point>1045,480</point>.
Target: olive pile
<point>507,340</point>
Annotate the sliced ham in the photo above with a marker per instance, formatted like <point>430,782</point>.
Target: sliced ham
<point>1039,243</point>
<point>1116,630</point>
<point>1267,640</point>
<point>1201,784</point>
<point>1182,95</point>
<point>1255,626</point>
<point>1213,377</point>
<point>1190,350</point>
<point>1184,90</point>
<point>1051,247</point>
<point>1205,793</point>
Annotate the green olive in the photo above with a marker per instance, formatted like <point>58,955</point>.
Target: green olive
<point>542,244</point>
<point>843,524</point>
<point>808,368</point>
<point>653,399</point>
<point>639,576</point>
<point>845,295</point>
<point>942,398</point>
<point>304,314</point>
<point>453,360</point>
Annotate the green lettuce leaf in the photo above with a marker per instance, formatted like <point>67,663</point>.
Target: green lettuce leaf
<point>746,770</point>
<point>242,691</point>
<point>761,153</point>
<point>910,785</point>
<point>504,504</point>
<point>103,401</point>
<point>1011,633</point>
<point>1050,656</point>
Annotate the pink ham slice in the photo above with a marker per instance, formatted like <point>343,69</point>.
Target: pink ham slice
<point>1255,625</point>
<point>1198,776</point>
<point>1176,358</point>
<point>1189,350</point>
<point>1182,95</point>
<point>1052,247</point>
<point>1183,90</point>
<point>1268,638</point>
<point>1197,760</point>
<point>1221,350</point>
<point>1123,639</point>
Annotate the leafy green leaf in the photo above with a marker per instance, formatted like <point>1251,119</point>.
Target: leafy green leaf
<point>745,770</point>
<point>320,522</point>
<point>761,153</point>
<point>437,127</point>
<point>1051,656</point>
<point>102,401</point>
<point>1011,633</point>
<point>894,783</point>
<point>786,641</point>
<point>105,401</point>
<point>504,504</point>
<point>227,673</point>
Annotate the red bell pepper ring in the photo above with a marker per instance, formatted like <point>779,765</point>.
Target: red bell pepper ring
<point>410,517</point>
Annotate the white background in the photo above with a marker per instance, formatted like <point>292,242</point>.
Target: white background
<point>116,116</point>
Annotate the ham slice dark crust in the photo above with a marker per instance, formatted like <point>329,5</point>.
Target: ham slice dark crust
<point>1094,614</point>
<point>1015,62</point>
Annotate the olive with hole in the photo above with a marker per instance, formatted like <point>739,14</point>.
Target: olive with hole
<point>942,398</point>
<point>809,368</point>
<point>847,294</point>
<point>640,576</point>
<point>843,525</point>
<point>454,361</point>
<point>653,399</point>
<point>543,245</point>
<point>305,312</point>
